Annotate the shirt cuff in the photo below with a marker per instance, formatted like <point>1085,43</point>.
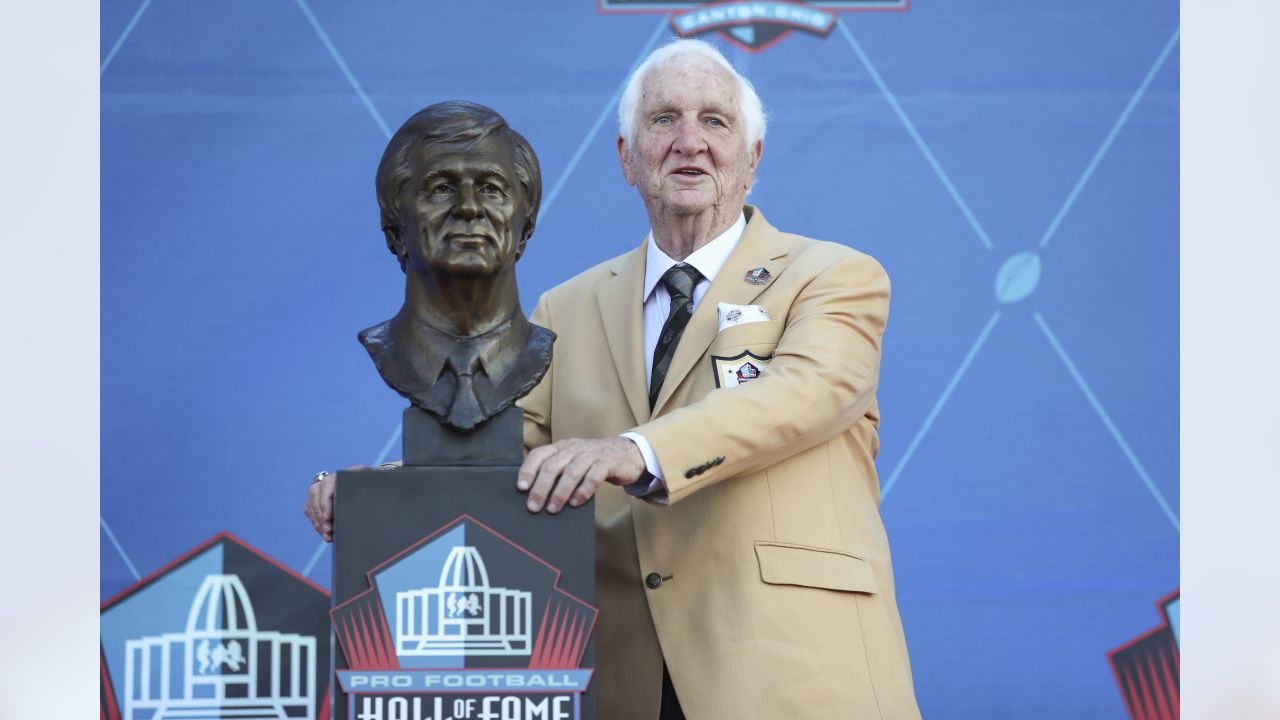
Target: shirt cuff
<point>655,490</point>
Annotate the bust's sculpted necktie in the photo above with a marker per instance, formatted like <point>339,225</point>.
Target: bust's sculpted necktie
<point>465,409</point>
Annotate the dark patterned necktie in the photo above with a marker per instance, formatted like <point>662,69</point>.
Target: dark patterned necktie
<point>679,282</point>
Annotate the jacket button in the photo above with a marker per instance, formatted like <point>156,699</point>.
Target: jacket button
<point>690,473</point>
<point>653,580</point>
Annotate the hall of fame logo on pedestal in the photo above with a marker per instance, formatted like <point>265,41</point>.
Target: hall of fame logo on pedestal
<point>753,25</point>
<point>464,625</point>
<point>223,632</point>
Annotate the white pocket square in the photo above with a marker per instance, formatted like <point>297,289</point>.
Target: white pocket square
<point>731,314</point>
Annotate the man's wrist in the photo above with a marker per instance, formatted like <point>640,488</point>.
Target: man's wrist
<point>650,486</point>
<point>645,478</point>
<point>650,458</point>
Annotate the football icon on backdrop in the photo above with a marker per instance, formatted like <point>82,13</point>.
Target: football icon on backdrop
<point>222,632</point>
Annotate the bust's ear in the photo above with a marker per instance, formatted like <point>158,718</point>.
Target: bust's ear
<point>395,243</point>
<point>524,239</point>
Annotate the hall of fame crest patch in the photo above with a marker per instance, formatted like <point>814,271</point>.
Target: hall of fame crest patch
<point>734,371</point>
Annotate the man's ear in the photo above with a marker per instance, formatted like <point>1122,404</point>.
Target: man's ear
<point>757,151</point>
<point>395,243</point>
<point>623,152</point>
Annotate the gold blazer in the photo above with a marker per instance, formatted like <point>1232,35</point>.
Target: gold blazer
<point>766,582</point>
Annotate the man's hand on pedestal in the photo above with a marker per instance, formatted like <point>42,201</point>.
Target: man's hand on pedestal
<point>319,507</point>
<point>570,471</point>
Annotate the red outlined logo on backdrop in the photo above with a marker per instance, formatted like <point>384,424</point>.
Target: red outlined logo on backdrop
<point>1147,668</point>
<point>223,631</point>
<point>753,25</point>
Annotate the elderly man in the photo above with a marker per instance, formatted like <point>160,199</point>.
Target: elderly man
<point>742,565</point>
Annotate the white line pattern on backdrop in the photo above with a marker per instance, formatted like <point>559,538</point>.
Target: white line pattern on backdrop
<point>128,29</point>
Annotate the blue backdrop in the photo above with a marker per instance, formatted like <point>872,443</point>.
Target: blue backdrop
<point>1014,165</point>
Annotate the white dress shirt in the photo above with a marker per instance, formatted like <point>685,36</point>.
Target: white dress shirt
<point>708,260</point>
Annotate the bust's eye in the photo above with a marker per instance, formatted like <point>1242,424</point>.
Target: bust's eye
<point>489,190</point>
<point>441,190</point>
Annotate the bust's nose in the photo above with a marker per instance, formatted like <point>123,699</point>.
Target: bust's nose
<point>467,207</point>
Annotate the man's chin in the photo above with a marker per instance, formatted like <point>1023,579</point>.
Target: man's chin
<point>677,209</point>
<point>686,201</point>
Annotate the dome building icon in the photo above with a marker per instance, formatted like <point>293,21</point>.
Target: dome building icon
<point>463,614</point>
<point>222,665</point>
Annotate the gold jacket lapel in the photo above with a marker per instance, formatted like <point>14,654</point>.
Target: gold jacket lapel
<point>621,305</point>
<point>760,246</point>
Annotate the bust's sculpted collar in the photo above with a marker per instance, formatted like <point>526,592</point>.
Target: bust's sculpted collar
<point>495,357</point>
<point>412,358</point>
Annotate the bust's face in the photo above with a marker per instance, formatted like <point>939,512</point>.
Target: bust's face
<point>463,209</point>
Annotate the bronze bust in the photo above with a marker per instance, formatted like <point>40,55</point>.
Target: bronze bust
<point>459,191</point>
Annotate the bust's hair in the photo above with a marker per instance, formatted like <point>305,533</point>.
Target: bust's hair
<point>455,122</point>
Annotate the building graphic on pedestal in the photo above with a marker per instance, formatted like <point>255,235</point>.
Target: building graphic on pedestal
<point>463,614</point>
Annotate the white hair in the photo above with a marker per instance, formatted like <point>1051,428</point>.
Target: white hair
<point>748,101</point>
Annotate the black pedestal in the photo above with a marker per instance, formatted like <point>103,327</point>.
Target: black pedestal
<point>441,577</point>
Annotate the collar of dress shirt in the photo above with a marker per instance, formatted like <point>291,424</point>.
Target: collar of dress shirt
<point>708,259</point>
